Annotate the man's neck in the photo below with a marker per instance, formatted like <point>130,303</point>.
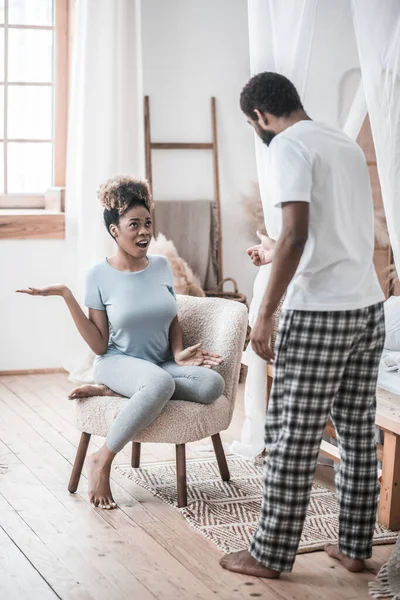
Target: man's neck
<point>295,117</point>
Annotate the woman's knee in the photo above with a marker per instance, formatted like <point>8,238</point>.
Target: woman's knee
<point>211,387</point>
<point>162,385</point>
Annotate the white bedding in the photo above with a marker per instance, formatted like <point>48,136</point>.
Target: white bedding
<point>389,369</point>
<point>389,380</point>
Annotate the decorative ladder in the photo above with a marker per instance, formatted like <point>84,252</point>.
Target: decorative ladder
<point>213,146</point>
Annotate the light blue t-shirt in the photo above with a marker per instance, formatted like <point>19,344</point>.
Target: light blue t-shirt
<point>140,307</point>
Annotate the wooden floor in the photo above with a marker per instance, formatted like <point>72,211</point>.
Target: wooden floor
<point>55,545</point>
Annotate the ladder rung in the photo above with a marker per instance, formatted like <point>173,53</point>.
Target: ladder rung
<point>181,146</point>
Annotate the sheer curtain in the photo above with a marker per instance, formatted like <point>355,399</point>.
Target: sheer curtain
<point>280,35</point>
<point>357,113</point>
<point>105,137</point>
<point>300,39</point>
<point>377,28</point>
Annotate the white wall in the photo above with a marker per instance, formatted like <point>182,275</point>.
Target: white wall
<point>31,329</point>
<point>191,51</point>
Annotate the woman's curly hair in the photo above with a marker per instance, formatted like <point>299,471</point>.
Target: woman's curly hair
<point>119,194</point>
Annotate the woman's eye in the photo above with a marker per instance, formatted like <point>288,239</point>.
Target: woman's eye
<point>149,224</point>
<point>134,225</point>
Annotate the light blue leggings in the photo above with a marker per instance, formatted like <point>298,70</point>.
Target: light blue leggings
<point>148,388</point>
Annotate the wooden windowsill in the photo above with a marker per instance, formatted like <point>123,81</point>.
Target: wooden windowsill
<point>31,224</point>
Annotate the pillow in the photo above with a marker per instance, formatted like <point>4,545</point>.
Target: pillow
<point>185,281</point>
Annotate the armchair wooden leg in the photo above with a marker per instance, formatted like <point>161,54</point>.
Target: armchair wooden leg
<point>181,474</point>
<point>135,460</point>
<point>78,464</point>
<point>221,458</point>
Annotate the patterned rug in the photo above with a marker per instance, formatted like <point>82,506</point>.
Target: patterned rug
<point>227,512</point>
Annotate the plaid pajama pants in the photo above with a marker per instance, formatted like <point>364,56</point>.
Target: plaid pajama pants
<point>326,365</point>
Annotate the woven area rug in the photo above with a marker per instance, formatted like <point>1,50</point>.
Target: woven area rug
<point>227,512</point>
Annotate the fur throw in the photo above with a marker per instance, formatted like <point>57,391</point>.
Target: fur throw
<point>185,281</point>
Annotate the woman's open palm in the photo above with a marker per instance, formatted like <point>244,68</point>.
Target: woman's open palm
<point>195,356</point>
<point>51,290</point>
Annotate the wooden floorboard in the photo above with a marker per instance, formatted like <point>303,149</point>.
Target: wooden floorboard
<point>133,547</point>
<point>19,579</point>
<point>55,545</point>
<point>39,554</point>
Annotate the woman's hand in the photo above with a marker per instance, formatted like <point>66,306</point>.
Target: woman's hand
<point>52,290</point>
<point>195,356</point>
<point>94,329</point>
<point>262,254</point>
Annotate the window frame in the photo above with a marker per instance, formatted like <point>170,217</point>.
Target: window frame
<point>60,107</point>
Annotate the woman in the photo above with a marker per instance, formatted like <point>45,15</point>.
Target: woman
<point>134,330</point>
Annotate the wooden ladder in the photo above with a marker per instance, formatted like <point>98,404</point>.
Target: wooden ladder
<point>213,146</point>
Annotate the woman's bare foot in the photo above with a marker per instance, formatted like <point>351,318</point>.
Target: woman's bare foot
<point>91,389</point>
<point>354,565</point>
<point>243,562</point>
<point>99,469</point>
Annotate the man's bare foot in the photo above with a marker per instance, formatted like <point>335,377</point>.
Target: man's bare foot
<point>354,565</point>
<point>243,562</point>
<point>99,489</point>
<point>91,389</point>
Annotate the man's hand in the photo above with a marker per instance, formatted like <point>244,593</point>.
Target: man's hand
<point>263,253</point>
<point>260,337</point>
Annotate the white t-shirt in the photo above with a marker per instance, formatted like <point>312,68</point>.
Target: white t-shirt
<point>313,162</point>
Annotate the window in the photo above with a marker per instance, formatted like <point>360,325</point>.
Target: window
<point>33,100</point>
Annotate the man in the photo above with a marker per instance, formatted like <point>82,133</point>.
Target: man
<point>331,331</point>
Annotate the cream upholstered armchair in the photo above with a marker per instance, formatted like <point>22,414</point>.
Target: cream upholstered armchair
<point>221,324</point>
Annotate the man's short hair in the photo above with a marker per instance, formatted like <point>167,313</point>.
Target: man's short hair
<point>269,92</point>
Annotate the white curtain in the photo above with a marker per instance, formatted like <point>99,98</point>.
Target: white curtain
<point>280,35</point>
<point>105,137</point>
<point>357,113</point>
<point>295,38</point>
<point>377,28</point>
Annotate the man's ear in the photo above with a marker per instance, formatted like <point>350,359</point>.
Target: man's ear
<point>261,119</point>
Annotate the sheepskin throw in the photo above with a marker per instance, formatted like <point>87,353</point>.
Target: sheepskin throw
<point>387,584</point>
<point>185,281</point>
